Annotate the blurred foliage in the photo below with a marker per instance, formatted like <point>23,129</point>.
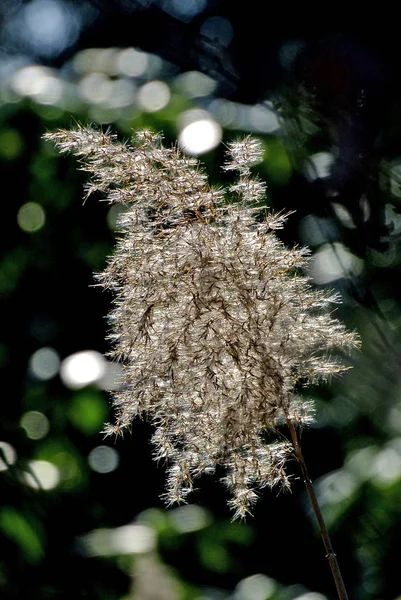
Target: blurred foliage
<point>57,491</point>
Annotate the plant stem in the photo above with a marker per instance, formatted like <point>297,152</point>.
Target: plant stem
<point>335,569</point>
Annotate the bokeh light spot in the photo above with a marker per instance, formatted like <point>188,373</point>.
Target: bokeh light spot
<point>255,587</point>
<point>336,486</point>
<point>128,539</point>
<point>318,165</point>
<point>42,474</point>
<point>224,111</point>
<point>36,424</point>
<point>334,261</point>
<point>262,118</point>
<point>8,456</point>
<point>97,60</point>
<point>122,93</point>
<point>343,215</point>
<point>218,28</point>
<point>82,368</point>
<point>46,26</point>
<point>184,10</point>
<point>133,539</point>
<point>200,136</point>
<point>103,459</point>
<point>95,88</point>
<point>132,63</point>
<point>195,84</point>
<point>315,231</point>
<point>189,518</point>
<point>44,364</point>
<point>153,96</point>
<point>31,217</point>
<point>386,467</point>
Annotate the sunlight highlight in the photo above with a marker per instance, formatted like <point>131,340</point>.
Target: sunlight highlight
<point>200,136</point>
<point>83,368</point>
<point>41,474</point>
<point>8,456</point>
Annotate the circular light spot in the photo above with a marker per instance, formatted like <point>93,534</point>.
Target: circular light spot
<point>36,424</point>
<point>95,88</point>
<point>336,487</point>
<point>122,93</point>
<point>189,518</point>
<point>48,26</point>
<point>386,467</point>
<point>39,83</point>
<point>195,84</point>
<point>31,217</point>
<point>41,474</point>
<point>132,63</point>
<point>218,28</point>
<point>263,118</point>
<point>200,136</point>
<point>103,459</point>
<point>153,96</point>
<point>255,587</point>
<point>44,363</point>
<point>8,456</point>
<point>82,368</point>
<point>133,539</point>
<point>224,112</point>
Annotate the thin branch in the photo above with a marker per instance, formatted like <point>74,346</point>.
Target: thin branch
<point>331,557</point>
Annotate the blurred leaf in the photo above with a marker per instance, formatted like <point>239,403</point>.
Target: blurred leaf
<point>88,411</point>
<point>277,162</point>
<point>27,534</point>
<point>12,267</point>
<point>11,144</point>
<point>213,555</point>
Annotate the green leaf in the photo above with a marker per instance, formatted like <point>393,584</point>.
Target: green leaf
<point>24,533</point>
<point>88,412</point>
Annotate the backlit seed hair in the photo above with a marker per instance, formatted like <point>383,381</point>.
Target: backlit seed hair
<point>214,320</point>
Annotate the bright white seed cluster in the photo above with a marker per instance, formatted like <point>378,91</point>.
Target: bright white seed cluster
<point>214,321</point>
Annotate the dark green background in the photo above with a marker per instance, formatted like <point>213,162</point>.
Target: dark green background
<point>354,448</point>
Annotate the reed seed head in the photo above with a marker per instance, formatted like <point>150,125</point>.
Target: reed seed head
<point>214,320</point>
